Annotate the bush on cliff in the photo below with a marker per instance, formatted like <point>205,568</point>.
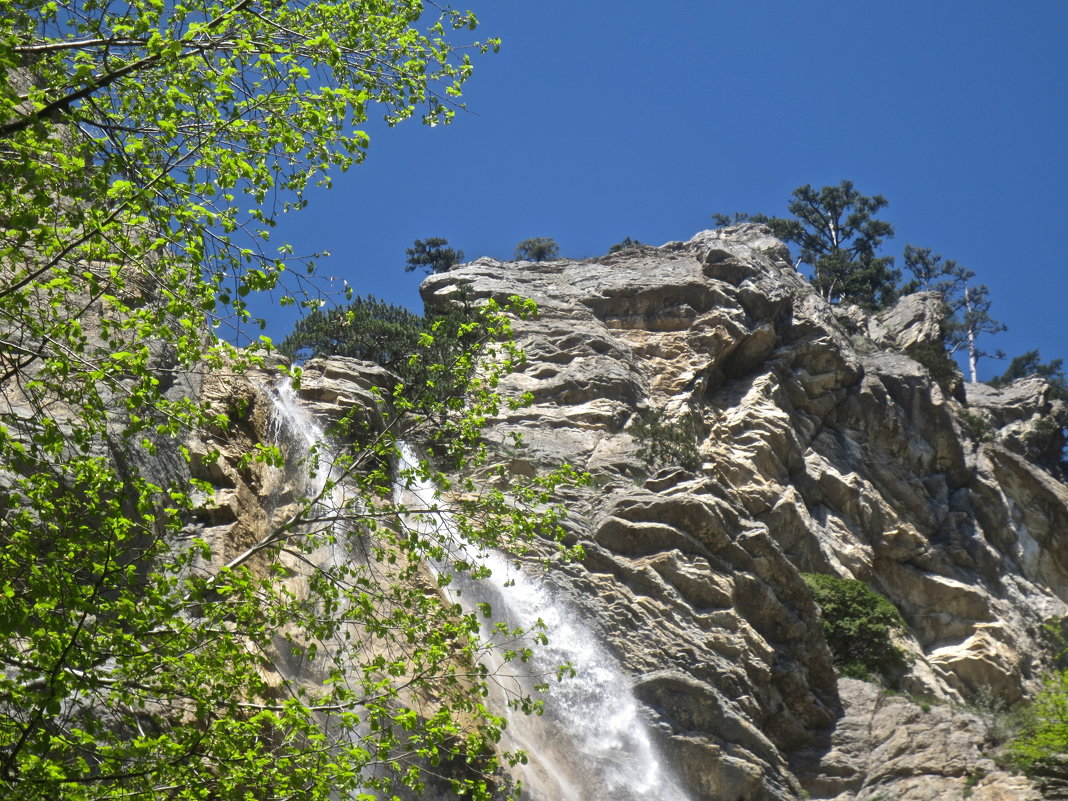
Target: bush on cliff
<point>539,248</point>
<point>1042,744</point>
<point>858,624</point>
<point>664,442</point>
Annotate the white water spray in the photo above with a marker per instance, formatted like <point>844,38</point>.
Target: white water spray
<point>293,427</point>
<point>309,466</point>
<point>591,743</point>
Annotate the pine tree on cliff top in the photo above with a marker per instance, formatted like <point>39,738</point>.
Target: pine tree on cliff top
<point>967,303</point>
<point>840,237</point>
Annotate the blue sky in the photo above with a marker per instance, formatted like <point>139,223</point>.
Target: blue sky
<point>598,121</point>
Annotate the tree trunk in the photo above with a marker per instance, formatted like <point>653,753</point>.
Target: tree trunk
<point>973,352</point>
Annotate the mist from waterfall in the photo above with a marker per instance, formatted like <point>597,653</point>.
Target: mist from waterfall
<point>591,743</point>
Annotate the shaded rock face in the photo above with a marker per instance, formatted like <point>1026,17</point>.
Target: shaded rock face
<point>824,448</point>
<point>889,746</point>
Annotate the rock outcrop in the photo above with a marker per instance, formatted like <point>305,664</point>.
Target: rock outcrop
<point>815,439</point>
<point>824,446</point>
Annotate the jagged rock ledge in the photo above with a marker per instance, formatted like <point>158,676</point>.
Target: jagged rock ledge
<point>828,441</point>
<point>826,447</point>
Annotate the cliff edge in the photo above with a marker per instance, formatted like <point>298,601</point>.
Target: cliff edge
<point>741,431</point>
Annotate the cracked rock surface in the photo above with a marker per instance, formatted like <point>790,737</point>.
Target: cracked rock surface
<point>823,447</point>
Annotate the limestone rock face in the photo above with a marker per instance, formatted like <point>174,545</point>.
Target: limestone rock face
<point>252,496</point>
<point>916,320</point>
<point>887,745</point>
<point>1024,418</point>
<point>815,439</point>
<point>823,447</point>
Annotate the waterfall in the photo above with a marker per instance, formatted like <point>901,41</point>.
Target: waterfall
<point>308,468</point>
<point>295,430</point>
<point>591,742</point>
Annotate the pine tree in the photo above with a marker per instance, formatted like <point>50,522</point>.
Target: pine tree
<point>839,237</point>
<point>537,249</point>
<point>972,319</point>
<point>432,255</point>
<point>366,328</point>
<point>395,337</point>
<point>967,304</point>
<point>932,273</point>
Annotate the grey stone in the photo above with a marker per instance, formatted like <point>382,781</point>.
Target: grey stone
<point>823,446</point>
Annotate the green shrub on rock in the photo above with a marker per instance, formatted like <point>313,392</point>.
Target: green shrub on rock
<point>539,248</point>
<point>939,364</point>
<point>977,425</point>
<point>663,442</point>
<point>1042,745</point>
<point>858,624</point>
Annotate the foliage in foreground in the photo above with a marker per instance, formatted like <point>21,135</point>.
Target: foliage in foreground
<point>859,625</point>
<point>1043,741</point>
<point>145,151</point>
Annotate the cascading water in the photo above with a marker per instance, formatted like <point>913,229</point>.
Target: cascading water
<point>308,469</point>
<point>309,466</point>
<point>591,743</point>
<point>297,432</point>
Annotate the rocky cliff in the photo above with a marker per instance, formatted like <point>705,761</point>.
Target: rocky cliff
<point>822,446</point>
<point>740,431</point>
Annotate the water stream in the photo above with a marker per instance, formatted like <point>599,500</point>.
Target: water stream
<point>591,743</point>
